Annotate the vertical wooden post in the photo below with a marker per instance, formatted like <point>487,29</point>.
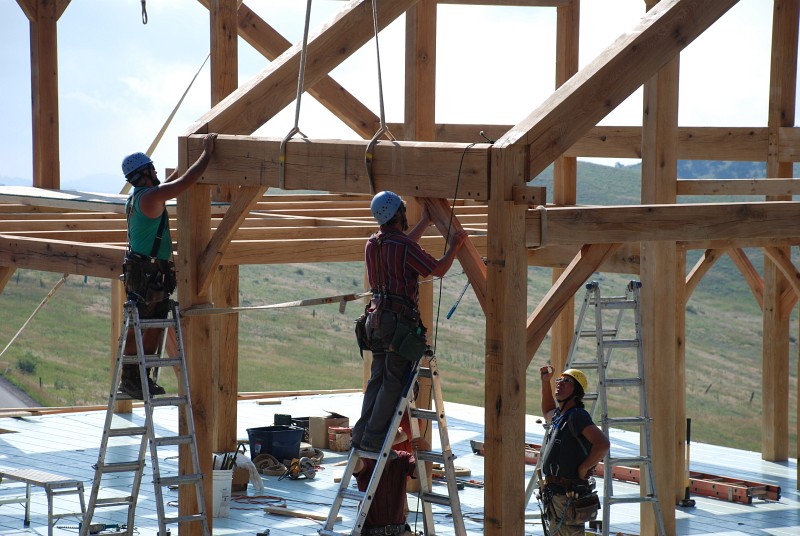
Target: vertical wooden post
<point>44,92</point>
<point>225,287</point>
<point>565,170</point>
<point>659,294</point>
<point>506,357</point>
<point>194,231</point>
<point>681,299</point>
<point>420,125</point>
<point>117,302</point>
<point>775,343</point>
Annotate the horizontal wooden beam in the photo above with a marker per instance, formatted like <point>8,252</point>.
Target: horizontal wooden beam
<point>64,257</point>
<point>739,187</point>
<point>647,223</point>
<point>418,169</point>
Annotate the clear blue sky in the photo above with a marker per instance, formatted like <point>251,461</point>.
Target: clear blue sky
<point>119,79</point>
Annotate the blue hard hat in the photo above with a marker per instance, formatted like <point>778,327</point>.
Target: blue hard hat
<point>134,162</point>
<point>384,206</point>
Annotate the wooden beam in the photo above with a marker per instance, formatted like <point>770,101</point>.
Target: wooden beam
<point>246,198</point>
<point>624,260</point>
<point>701,268</point>
<point>748,144</point>
<point>269,92</point>
<point>582,266</point>
<point>44,95</point>
<point>505,386</point>
<point>712,221</point>
<point>468,255</point>
<point>5,276</point>
<point>608,80</point>
<point>748,271</point>
<point>784,263</point>
<point>739,187</point>
<point>407,168</point>
<point>57,256</point>
<point>271,44</point>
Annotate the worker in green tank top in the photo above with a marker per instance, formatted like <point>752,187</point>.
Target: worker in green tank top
<point>149,272</point>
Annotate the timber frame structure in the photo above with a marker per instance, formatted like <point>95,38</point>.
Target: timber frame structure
<point>508,221</point>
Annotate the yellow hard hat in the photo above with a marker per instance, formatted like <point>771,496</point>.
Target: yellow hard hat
<point>578,376</point>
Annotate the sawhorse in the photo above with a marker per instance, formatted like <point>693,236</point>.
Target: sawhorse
<point>53,485</point>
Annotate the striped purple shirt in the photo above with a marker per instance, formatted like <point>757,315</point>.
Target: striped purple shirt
<point>405,262</point>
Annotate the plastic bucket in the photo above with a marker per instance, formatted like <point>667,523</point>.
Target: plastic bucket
<point>283,442</point>
<point>222,480</point>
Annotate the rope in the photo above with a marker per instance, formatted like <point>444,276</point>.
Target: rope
<point>296,128</point>
<point>368,156</point>
<point>157,140</point>
<point>39,308</point>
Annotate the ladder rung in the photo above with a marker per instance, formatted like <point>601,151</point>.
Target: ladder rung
<point>622,343</point>
<point>114,501</point>
<point>583,364</point>
<point>629,460</point>
<point>153,323</point>
<point>636,421</point>
<point>617,303</point>
<point>590,396</point>
<point>436,498</point>
<point>158,361</point>
<point>430,456</point>
<point>179,479</point>
<point>427,414</point>
<point>623,382</point>
<point>424,372</point>
<point>168,401</point>
<point>172,440</point>
<point>589,333</point>
<point>128,431</point>
<point>352,494</point>
<point>122,467</point>
<point>134,359</point>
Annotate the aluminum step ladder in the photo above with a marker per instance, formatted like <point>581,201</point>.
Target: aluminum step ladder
<point>607,340</point>
<point>110,464</point>
<point>445,457</point>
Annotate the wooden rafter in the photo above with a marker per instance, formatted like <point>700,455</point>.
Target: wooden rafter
<point>611,78</point>
<point>257,101</point>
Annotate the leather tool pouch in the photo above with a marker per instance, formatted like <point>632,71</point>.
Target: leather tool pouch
<point>362,338</point>
<point>409,340</point>
<point>584,508</point>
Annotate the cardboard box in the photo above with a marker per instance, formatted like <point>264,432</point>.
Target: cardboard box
<point>340,438</point>
<point>318,429</point>
<point>241,477</point>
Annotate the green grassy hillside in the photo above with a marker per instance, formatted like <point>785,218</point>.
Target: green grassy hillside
<point>62,357</point>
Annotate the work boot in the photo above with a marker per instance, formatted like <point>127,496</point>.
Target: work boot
<point>154,388</point>
<point>132,387</point>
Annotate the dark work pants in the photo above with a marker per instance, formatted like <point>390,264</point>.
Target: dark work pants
<point>388,376</point>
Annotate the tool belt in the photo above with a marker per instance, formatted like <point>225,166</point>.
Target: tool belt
<point>394,303</point>
<point>146,276</point>
<point>566,484</point>
<point>383,529</point>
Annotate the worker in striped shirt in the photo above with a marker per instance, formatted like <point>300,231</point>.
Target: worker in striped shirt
<point>394,262</point>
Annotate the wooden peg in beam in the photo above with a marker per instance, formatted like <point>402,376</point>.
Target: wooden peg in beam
<point>529,195</point>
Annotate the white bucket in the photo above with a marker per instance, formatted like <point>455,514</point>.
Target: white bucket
<point>222,492</point>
